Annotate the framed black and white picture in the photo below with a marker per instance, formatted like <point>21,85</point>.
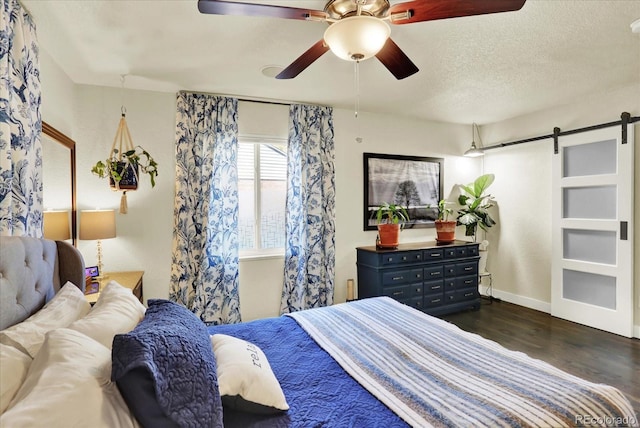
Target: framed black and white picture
<point>413,182</point>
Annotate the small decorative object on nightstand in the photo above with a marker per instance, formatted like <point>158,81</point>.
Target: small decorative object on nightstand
<point>130,279</point>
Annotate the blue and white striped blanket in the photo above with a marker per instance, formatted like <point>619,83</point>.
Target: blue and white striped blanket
<point>431,373</point>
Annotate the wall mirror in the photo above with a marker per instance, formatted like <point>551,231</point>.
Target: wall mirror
<point>59,174</point>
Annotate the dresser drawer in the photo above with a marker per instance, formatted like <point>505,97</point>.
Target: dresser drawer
<point>449,253</point>
<point>403,292</point>
<point>433,272</point>
<point>466,294</point>
<point>432,287</point>
<point>416,302</point>
<point>433,300</point>
<point>449,271</point>
<point>402,257</point>
<point>401,276</point>
<point>433,255</point>
<point>466,282</point>
<point>450,284</point>
<point>467,268</point>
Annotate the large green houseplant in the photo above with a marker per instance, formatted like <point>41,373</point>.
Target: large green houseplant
<point>390,218</point>
<point>475,204</point>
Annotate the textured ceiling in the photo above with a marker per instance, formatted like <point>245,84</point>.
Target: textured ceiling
<point>480,69</point>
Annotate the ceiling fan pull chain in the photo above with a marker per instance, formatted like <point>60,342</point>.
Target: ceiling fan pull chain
<point>357,85</point>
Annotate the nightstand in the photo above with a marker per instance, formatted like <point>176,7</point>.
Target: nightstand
<point>129,279</point>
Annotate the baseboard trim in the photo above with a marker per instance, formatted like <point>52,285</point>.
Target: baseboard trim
<point>527,302</point>
<point>538,305</point>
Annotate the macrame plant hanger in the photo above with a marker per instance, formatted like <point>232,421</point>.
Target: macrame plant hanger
<point>122,143</point>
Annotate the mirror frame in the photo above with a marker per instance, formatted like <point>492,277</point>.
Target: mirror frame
<point>59,137</point>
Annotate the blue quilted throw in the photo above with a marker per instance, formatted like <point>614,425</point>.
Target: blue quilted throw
<point>165,369</point>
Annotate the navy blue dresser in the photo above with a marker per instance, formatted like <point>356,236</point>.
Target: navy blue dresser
<point>436,279</point>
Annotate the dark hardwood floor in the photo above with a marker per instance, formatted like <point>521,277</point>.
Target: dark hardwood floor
<point>586,352</point>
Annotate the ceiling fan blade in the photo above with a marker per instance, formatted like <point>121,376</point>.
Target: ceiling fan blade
<point>430,10</point>
<point>304,61</point>
<point>250,9</point>
<point>396,61</point>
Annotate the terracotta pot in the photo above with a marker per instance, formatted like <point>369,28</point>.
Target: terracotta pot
<point>446,231</point>
<point>388,234</point>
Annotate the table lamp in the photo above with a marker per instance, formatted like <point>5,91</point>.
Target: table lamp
<point>56,225</point>
<point>98,225</point>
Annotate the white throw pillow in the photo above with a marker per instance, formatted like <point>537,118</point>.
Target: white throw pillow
<point>117,311</point>
<point>68,305</point>
<point>69,385</point>
<point>13,369</point>
<point>245,379</point>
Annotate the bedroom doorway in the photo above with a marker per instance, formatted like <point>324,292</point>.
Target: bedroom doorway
<point>592,230</point>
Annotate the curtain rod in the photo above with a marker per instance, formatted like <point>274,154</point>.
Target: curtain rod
<point>279,103</point>
<point>626,119</point>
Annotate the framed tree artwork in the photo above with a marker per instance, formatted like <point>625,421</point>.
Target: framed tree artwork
<point>414,182</point>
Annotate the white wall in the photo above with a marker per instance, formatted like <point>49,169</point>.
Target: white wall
<point>261,280</point>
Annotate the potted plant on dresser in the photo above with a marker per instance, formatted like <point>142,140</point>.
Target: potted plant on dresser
<point>445,228</point>
<point>390,218</point>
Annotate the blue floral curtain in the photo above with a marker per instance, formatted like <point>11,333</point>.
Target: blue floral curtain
<point>204,272</point>
<point>20,124</point>
<point>309,266</point>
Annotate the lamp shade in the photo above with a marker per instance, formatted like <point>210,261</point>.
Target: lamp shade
<point>56,225</point>
<point>473,152</point>
<point>357,37</point>
<point>97,224</point>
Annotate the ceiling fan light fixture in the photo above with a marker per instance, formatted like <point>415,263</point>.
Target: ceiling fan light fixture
<point>357,38</point>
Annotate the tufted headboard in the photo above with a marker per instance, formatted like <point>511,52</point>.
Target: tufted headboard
<point>32,270</point>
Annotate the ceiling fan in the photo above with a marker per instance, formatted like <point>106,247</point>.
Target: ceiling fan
<point>358,29</point>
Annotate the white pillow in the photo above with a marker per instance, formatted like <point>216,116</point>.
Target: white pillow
<point>245,379</point>
<point>68,305</point>
<point>13,369</point>
<point>117,311</point>
<point>69,385</point>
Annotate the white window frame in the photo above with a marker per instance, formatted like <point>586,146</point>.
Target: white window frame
<point>259,253</point>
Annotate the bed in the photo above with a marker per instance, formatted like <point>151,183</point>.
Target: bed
<point>368,363</point>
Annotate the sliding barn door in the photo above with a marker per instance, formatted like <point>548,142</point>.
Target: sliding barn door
<point>592,233</point>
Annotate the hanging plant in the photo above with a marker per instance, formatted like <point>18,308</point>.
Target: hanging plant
<point>125,163</point>
<point>123,170</point>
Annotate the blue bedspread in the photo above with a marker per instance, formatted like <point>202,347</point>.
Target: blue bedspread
<point>319,392</point>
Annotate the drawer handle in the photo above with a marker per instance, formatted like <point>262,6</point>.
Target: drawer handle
<point>419,275</point>
<point>397,278</point>
<point>468,281</point>
<point>435,255</point>
<point>390,259</point>
<point>468,294</point>
<point>468,268</point>
<point>418,256</point>
<point>435,287</point>
<point>418,290</point>
<point>434,273</point>
<point>435,301</point>
<point>398,293</point>
<point>404,258</point>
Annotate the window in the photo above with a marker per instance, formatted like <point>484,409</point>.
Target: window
<point>262,190</point>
